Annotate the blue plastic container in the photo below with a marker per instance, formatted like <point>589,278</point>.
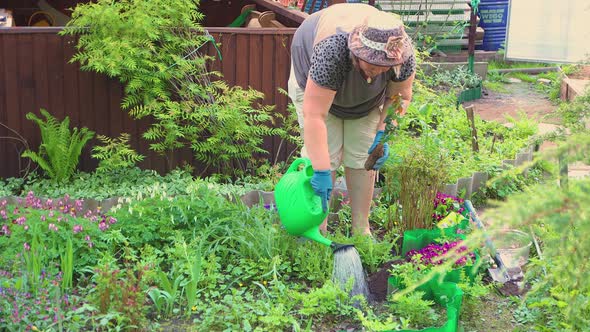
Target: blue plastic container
<point>316,8</point>
<point>493,18</point>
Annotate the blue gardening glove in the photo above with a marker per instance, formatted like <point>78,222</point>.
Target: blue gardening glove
<point>381,161</point>
<point>321,182</point>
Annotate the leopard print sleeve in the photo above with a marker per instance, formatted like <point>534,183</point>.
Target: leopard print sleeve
<point>330,62</point>
<point>406,70</point>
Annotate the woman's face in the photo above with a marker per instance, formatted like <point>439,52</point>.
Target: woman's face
<point>371,71</point>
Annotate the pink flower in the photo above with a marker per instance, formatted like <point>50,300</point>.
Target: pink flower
<point>77,229</point>
<point>3,214</point>
<point>52,227</point>
<point>5,230</point>
<point>26,246</point>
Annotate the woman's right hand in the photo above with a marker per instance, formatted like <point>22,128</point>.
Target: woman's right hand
<point>321,182</point>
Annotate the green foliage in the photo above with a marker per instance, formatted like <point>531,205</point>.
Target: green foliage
<point>558,216</point>
<point>373,253</point>
<point>115,153</point>
<point>60,148</point>
<point>117,183</point>
<point>575,114</point>
<point>504,183</point>
<point>457,80</point>
<point>162,62</point>
<point>118,294</point>
<point>422,170</point>
<point>418,312</point>
<point>45,229</point>
<point>49,310</point>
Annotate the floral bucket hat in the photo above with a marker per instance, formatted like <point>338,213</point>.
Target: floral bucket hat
<point>381,41</point>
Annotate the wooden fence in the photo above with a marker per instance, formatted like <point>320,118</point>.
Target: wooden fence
<point>35,73</point>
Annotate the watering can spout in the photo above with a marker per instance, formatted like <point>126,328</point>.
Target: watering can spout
<point>315,235</point>
<point>339,246</point>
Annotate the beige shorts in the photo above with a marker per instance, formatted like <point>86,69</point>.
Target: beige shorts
<point>348,140</point>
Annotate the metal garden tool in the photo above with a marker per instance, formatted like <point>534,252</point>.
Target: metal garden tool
<point>501,273</point>
<point>300,209</point>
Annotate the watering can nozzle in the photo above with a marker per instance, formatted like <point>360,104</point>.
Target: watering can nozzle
<point>339,246</point>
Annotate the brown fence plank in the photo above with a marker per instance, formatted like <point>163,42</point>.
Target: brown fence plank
<point>268,86</point>
<point>26,92</point>
<point>86,111</point>
<point>71,72</point>
<point>12,107</point>
<point>55,71</point>
<point>242,60</point>
<point>101,105</point>
<point>41,81</point>
<point>255,62</point>
<point>115,113</point>
<point>282,68</point>
<point>228,53</point>
<point>4,157</point>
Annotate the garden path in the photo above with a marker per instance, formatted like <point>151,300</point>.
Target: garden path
<point>522,96</point>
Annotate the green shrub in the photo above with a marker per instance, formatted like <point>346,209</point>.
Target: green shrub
<point>162,62</point>
<point>60,148</point>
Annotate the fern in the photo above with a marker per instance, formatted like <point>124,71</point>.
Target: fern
<point>60,148</point>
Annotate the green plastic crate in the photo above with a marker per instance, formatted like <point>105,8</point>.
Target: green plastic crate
<point>469,94</point>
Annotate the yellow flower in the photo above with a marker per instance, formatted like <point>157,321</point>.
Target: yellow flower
<point>194,308</point>
<point>241,284</point>
<point>264,282</point>
<point>34,328</point>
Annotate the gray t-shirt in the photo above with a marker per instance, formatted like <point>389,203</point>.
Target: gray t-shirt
<point>328,64</point>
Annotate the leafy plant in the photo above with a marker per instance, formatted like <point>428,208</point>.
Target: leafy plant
<point>162,62</point>
<point>108,184</point>
<point>575,114</point>
<point>459,78</point>
<point>115,153</point>
<point>60,148</point>
<point>46,226</point>
<point>417,311</point>
<point>48,310</point>
<point>423,169</point>
<point>120,291</point>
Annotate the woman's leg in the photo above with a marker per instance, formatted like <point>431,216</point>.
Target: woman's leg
<point>360,185</point>
<point>359,135</point>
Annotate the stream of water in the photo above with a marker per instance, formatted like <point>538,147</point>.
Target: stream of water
<point>347,264</point>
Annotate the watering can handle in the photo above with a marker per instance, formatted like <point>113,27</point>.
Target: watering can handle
<point>295,165</point>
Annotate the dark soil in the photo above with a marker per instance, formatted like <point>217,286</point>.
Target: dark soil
<point>378,281</point>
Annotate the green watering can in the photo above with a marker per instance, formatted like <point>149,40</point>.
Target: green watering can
<point>300,209</point>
